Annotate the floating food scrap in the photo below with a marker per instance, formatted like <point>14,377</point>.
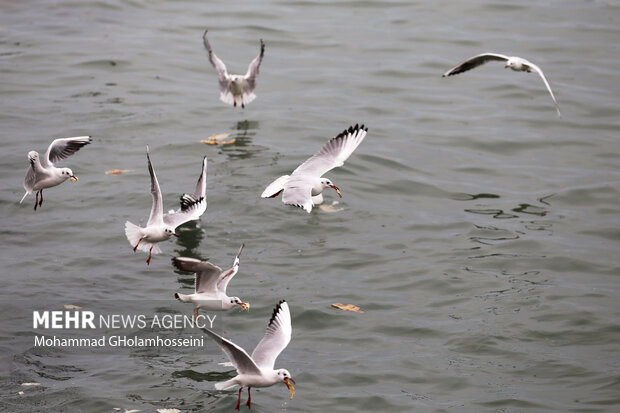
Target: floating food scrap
<point>168,411</point>
<point>31,384</point>
<point>331,208</point>
<point>117,171</point>
<point>347,307</point>
<point>291,389</point>
<point>218,139</point>
<point>72,307</point>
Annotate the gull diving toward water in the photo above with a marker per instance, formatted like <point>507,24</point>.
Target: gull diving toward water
<point>257,370</point>
<point>304,187</point>
<point>513,62</point>
<point>209,285</point>
<point>42,172</point>
<point>235,89</point>
<point>160,226</point>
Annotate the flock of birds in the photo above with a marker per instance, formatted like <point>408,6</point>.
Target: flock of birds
<point>302,188</point>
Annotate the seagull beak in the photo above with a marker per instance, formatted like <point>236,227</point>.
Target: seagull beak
<point>245,306</point>
<point>175,234</point>
<point>73,178</point>
<point>291,389</point>
<point>337,190</point>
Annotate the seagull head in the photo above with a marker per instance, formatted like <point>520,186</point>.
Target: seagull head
<point>286,378</point>
<point>169,231</point>
<point>68,173</point>
<point>237,301</point>
<point>327,183</point>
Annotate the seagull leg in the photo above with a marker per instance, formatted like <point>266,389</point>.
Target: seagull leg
<point>136,247</point>
<point>242,105</point>
<point>41,199</point>
<point>195,314</point>
<point>148,260</point>
<point>249,402</point>
<point>234,105</point>
<point>36,200</point>
<point>239,399</point>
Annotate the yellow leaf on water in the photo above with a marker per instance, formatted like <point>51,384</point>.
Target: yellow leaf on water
<point>218,139</point>
<point>117,171</point>
<point>347,307</point>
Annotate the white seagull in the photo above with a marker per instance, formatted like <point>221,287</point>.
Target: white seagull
<point>304,187</point>
<point>160,226</point>
<point>235,89</point>
<point>209,285</point>
<point>42,172</point>
<point>515,63</point>
<point>257,370</point>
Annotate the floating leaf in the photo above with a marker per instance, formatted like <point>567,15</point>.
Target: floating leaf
<point>347,307</point>
<point>218,139</point>
<point>117,171</point>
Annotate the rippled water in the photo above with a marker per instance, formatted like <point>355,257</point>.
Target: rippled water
<point>478,232</point>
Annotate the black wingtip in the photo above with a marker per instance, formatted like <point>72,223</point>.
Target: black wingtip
<point>276,310</point>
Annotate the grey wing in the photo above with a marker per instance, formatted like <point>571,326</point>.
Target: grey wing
<point>238,356</point>
<point>298,192</point>
<point>158,206</point>
<point>63,148</point>
<point>252,73</point>
<point>192,206</point>
<point>219,66</point>
<point>225,276</point>
<point>276,338</point>
<point>207,274</point>
<point>474,62</point>
<point>30,180</point>
<point>540,72</point>
<point>333,153</point>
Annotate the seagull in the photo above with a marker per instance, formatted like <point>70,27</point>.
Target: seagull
<point>209,285</point>
<point>304,187</point>
<point>43,174</point>
<point>515,63</point>
<point>257,370</point>
<point>160,226</point>
<point>235,89</point>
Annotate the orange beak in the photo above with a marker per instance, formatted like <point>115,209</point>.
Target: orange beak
<point>337,190</point>
<point>291,389</point>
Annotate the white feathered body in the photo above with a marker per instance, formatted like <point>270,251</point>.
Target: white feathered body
<point>147,237</point>
<point>214,302</point>
<point>266,379</point>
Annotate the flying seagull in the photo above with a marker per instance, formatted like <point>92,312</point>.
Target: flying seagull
<point>209,285</point>
<point>42,172</point>
<point>160,226</point>
<point>515,63</point>
<point>304,187</point>
<point>257,370</point>
<point>235,89</point>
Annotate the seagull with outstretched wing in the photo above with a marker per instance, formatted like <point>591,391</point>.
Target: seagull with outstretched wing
<point>43,174</point>
<point>257,370</point>
<point>160,226</point>
<point>304,187</point>
<point>235,89</point>
<point>515,63</point>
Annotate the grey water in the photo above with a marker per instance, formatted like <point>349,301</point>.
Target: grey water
<point>478,232</point>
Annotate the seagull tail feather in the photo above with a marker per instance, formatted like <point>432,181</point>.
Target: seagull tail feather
<point>24,197</point>
<point>225,385</point>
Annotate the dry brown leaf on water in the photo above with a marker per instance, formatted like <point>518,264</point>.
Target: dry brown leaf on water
<point>117,171</point>
<point>218,139</point>
<point>347,307</point>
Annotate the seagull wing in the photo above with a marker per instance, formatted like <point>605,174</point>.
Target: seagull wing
<point>333,153</point>
<point>474,62</point>
<point>219,66</point>
<point>250,76</point>
<point>277,337</point>
<point>63,148</point>
<point>542,75</point>
<point>192,206</point>
<point>238,356</point>
<point>225,276</point>
<point>298,191</point>
<point>274,188</point>
<point>207,274</point>
<point>31,174</point>
<point>157,209</point>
